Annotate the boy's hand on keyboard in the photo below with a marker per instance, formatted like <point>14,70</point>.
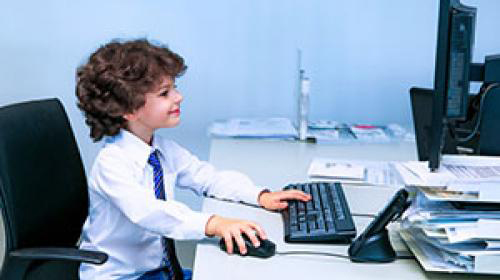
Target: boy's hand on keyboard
<point>277,200</point>
<point>230,229</point>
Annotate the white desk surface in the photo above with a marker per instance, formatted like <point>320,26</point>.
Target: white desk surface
<point>274,164</point>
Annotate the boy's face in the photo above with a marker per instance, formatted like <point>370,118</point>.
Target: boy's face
<point>161,109</point>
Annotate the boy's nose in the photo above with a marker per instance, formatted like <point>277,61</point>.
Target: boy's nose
<point>178,96</point>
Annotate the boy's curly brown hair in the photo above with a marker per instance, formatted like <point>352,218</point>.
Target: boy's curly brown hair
<point>116,78</point>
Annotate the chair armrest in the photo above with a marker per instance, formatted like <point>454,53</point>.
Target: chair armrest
<point>68,254</point>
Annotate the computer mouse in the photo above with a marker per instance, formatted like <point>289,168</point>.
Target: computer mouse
<point>266,249</point>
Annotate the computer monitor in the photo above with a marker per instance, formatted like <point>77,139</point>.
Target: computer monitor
<point>451,81</point>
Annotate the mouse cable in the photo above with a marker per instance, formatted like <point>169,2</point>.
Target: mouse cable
<point>312,253</point>
<point>400,257</point>
<point>277,211</point>
<point>232,201</point>
<point>258,206</point>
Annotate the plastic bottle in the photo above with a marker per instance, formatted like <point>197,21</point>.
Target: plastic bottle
<point>303,107</point>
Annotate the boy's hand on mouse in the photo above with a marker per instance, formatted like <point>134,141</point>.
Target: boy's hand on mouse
<point>230,229</point>
<point>277,200</point>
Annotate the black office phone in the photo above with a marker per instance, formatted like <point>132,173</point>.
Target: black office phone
<point>373,244</point>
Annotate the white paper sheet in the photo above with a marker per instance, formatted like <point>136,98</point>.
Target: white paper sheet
<point>254,127</point>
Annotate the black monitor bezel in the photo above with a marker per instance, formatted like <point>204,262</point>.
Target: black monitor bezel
<point>440,120</point>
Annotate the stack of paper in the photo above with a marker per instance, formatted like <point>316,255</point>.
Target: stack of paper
<point>447,237</point>
<point>454,221</point>
<point>369,133</point>
<point>323,124</point>
<point>327,131</point>
<point>460,178</point>
<point>324,135</point>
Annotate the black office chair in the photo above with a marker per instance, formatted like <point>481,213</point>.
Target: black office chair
<point>43,192</point>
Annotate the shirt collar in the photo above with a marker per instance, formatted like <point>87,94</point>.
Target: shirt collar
<point>136,149</point>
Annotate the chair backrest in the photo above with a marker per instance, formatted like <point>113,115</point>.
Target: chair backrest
<point>43,189</point>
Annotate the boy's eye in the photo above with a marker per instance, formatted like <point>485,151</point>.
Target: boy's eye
<point>166,91</point>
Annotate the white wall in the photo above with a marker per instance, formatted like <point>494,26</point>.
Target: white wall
<point>362,56</point>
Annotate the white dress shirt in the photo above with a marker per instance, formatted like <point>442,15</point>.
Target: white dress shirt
<point>125,219</point>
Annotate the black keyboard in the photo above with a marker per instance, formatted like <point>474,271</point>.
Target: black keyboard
<point>325,218</point>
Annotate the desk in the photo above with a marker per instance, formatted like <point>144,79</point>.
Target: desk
<point>274,163</point>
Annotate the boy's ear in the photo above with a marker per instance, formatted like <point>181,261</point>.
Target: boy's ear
<point>130,116</point>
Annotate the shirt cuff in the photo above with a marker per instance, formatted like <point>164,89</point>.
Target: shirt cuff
<point>251,196</point>
<point>199,222</point>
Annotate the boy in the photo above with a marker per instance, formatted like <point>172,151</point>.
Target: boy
<point>127,91</point>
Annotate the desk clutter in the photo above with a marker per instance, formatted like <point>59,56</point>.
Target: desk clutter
<point>453,236</point>
<point>453,224</point>
<point>355,172</point>
<point>322,131</point>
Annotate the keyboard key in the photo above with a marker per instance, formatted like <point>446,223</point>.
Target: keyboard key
<point>309,206</point>
<point>301,206</point>
<point>315,198</point>
<point>303,226</point>
<point>321,223</point>
<point>311,225</point>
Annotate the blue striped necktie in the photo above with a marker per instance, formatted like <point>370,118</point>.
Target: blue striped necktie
<point>169,260</point>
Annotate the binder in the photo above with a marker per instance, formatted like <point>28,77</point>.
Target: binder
<point>481,264</point>
<point>447,237</point>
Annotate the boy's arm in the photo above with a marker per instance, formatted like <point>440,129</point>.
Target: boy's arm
<point>138,203</point>
<point>203,178</point>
